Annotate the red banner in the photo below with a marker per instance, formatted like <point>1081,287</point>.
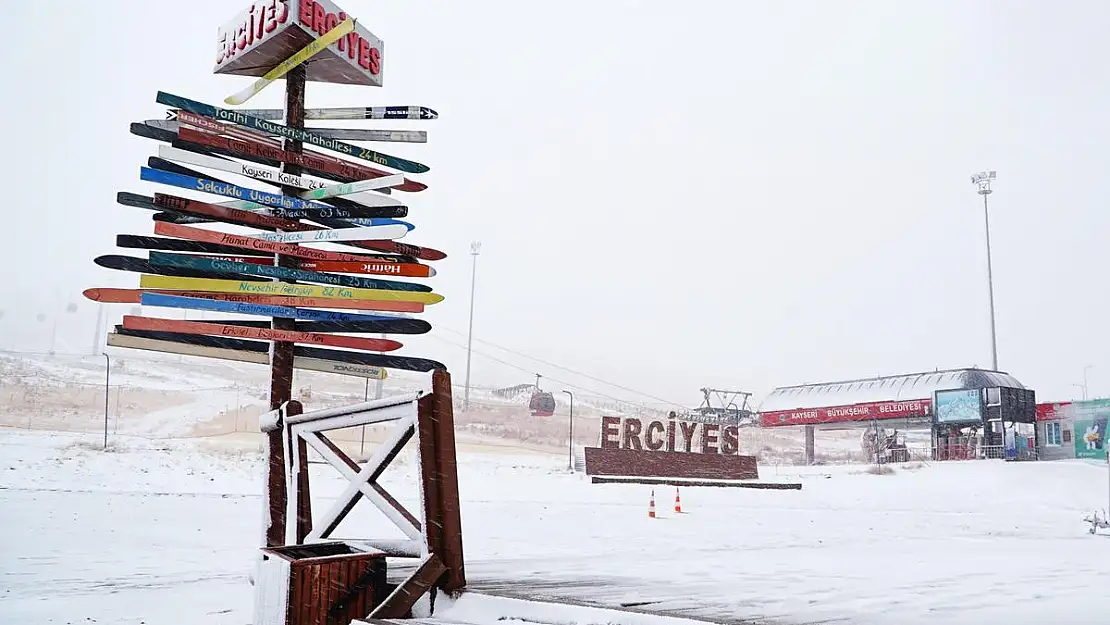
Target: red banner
<point>1050,412</point>
<point>840,414</point>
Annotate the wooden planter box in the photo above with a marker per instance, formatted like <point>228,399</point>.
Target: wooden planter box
<point>318,584</point>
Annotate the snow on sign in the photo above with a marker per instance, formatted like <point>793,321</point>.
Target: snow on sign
<point>633,447</point>
<point>671,436</point>
<point>270,31</point>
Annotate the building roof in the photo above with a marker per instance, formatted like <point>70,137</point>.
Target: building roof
<point>887,388</point>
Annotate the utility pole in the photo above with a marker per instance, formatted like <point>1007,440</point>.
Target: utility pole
<point>983,181</point>
<point>475,247</point>
<point>570,435</point>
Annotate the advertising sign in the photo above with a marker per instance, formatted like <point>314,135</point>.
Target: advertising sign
<point>958,406</point>
<point>270,31</point>
<point>1090,438</point>
<point>874,411</point>
<point>1090,425</point>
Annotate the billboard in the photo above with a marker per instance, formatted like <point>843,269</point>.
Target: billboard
<point>1091,420</point>
<point>958,406</point>
<point>1090,438</point>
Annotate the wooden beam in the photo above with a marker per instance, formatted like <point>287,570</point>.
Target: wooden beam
<point>429,480</point>
<point>354,467</point>
<point>392,501</point>
<point>368,473</point>
<point>399,602</point>
<point>351,464</point>
<point>276,494</point>
<point>304,495</point>
<point>448,481</point>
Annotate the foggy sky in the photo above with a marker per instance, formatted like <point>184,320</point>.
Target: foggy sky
<point>669,194</point>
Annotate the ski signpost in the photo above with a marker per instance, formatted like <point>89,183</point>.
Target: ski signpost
<point>288,277</point>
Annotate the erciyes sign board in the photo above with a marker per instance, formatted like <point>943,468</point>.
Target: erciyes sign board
<point>269,31</point>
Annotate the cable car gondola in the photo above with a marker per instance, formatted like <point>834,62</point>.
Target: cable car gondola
<point>541,404</point>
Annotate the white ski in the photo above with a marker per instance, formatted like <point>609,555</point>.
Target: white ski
<point>275,175</point>
<point>353,112</point>
<point>363,233</point>
<point>348,188</point>
<point>262,358</point>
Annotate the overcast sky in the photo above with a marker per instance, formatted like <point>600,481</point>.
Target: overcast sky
<point>669,194</point>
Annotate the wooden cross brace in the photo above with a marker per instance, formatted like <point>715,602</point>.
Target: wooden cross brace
<point>434,535</point>
<point>309,429</point>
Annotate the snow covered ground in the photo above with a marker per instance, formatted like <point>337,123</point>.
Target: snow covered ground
<point>162,533</point>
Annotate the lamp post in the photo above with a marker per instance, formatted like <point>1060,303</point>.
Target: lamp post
<point>107,380</point>
<point>475,247</point>
<point>1085,379</point>
<point>570,435</point>
<point>365,398</point>
<point>983,181</point>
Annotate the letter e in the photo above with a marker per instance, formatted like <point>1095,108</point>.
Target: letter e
<point>709,436</point>
<point>610,432</point>
<point>307,7</point>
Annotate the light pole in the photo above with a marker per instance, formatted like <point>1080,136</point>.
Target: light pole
<point>570,435</point>
<point>365,398</point>
<point>96,331</point>
<point>107,380</point>
<point>475,247</point>
<point>1083,389</point>
<point>1085,379</point>
<point>983,181</point>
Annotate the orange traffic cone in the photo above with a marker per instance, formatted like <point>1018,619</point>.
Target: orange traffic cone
<point>651,505</point>
<point>677,501</point>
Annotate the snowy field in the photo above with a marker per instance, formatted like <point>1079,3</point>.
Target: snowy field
<point>163,533</point>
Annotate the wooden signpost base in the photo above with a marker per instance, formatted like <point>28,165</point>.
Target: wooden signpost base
<point>434,537</point>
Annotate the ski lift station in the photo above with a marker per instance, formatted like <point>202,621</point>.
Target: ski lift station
<point>969,413</point>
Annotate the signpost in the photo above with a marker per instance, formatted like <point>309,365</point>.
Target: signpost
<point>261,273</point>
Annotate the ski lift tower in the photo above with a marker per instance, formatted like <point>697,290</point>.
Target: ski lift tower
<point>726,407</point>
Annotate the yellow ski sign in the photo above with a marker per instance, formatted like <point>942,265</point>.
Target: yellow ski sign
<point>148,281</point>
<point>283,68</point>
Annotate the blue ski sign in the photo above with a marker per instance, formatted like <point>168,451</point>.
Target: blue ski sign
<point>275,200</point>
<point>244,308</point>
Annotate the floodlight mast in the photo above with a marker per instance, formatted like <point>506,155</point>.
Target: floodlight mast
<point>475,249</point>
<point>983,181</point>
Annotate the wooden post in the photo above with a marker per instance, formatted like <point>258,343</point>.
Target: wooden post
<point>429,481</point>
<point>443,416</point>
<point>281,353</point>
<point>304,503</point>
